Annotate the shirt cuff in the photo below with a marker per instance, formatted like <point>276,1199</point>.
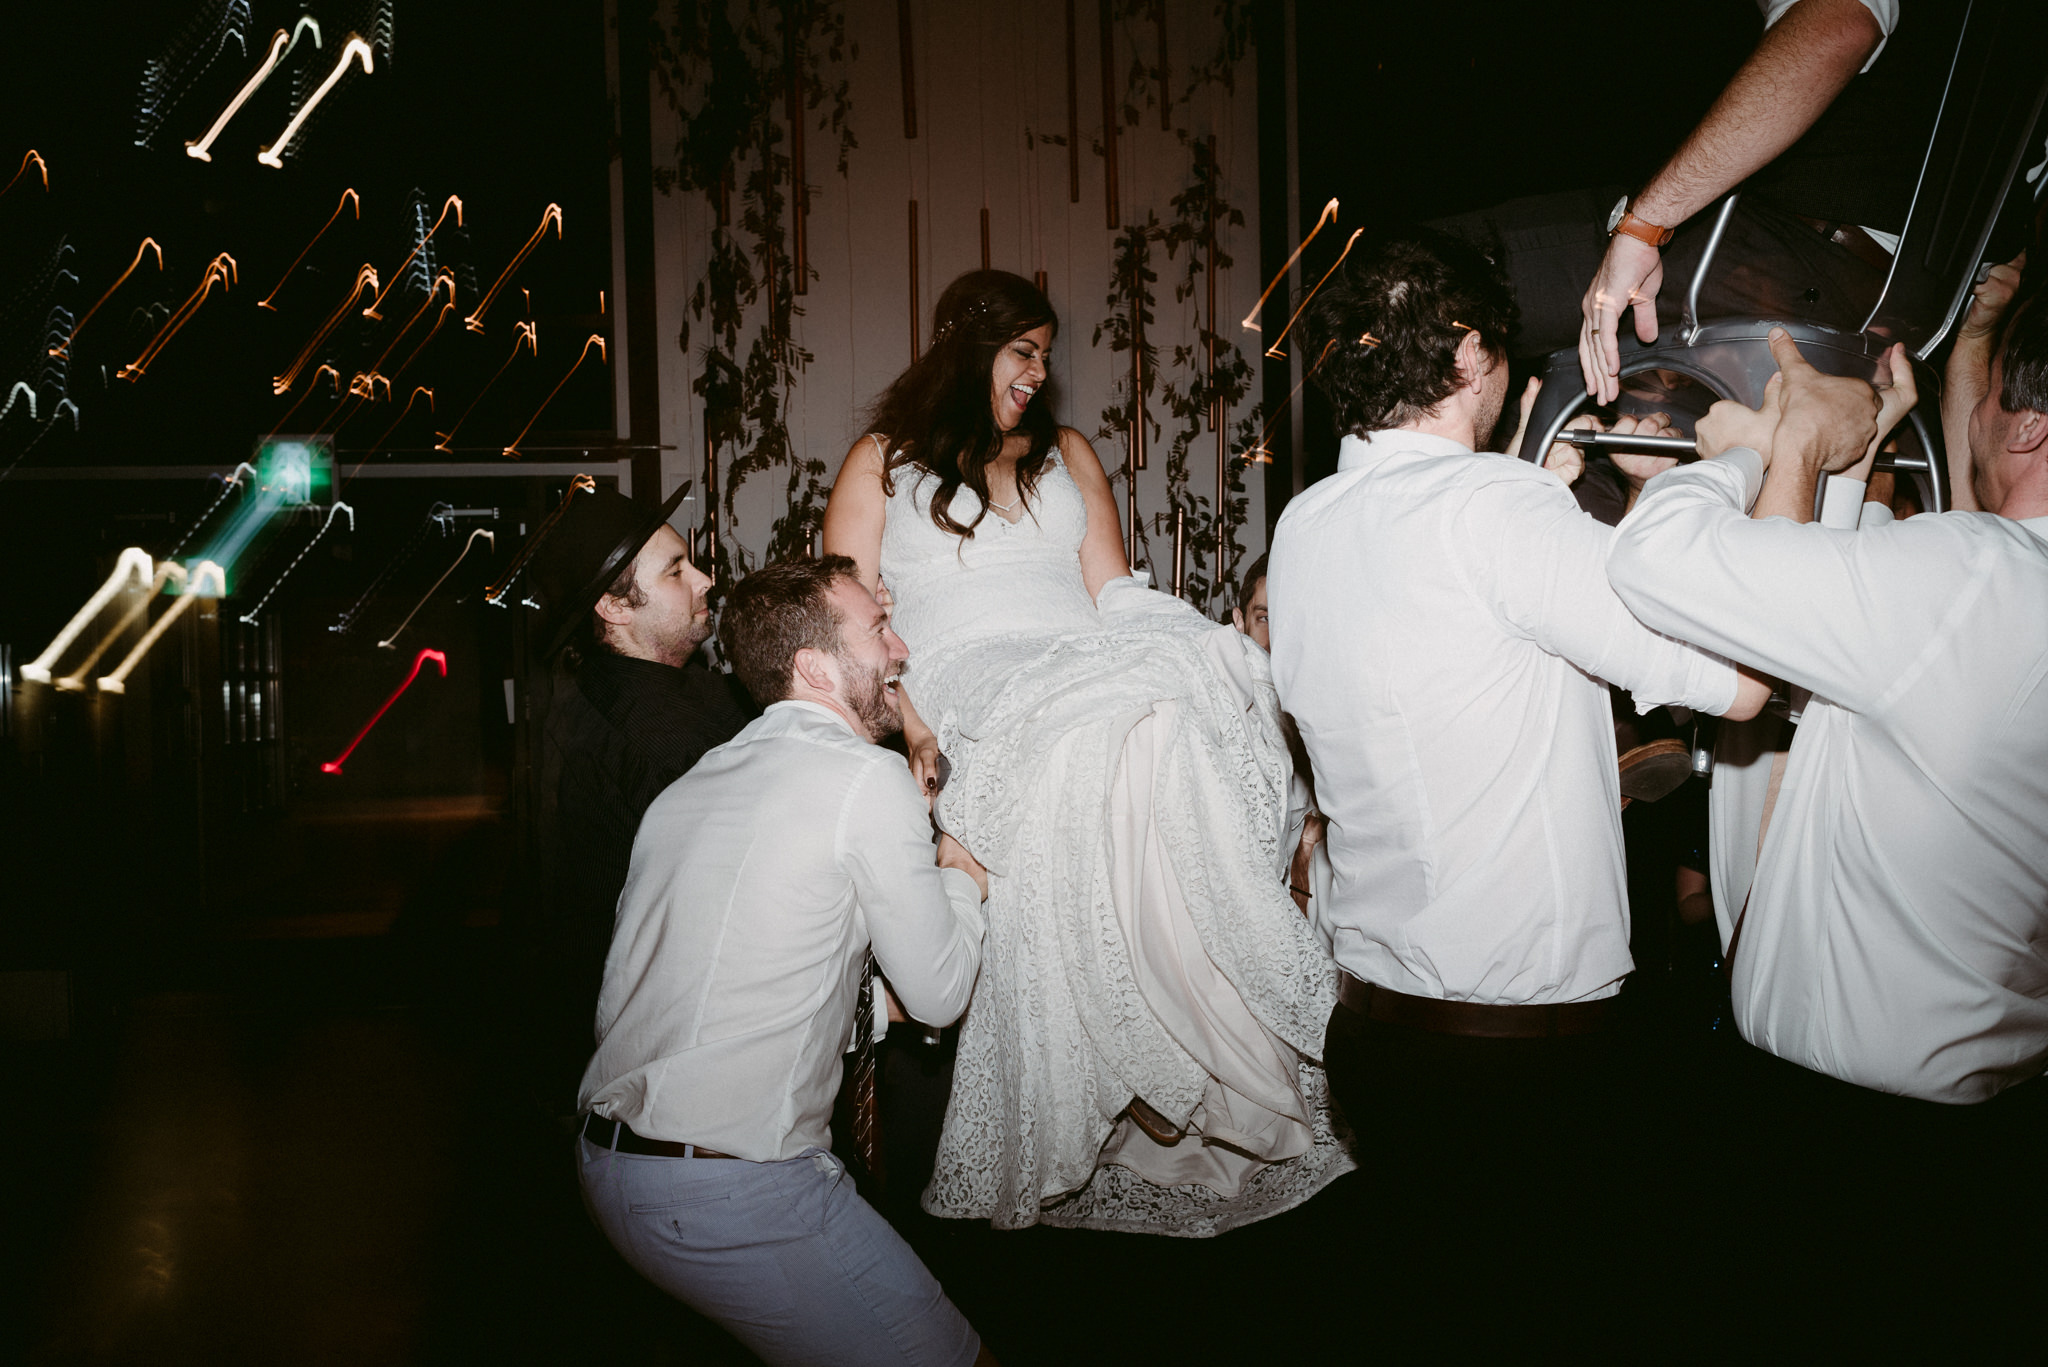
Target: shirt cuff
<point>1841,503</point>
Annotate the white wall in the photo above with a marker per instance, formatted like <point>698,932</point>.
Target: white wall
<point>984,75</point>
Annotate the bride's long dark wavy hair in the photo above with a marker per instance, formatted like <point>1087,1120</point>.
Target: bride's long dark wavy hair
<point>937,416</point>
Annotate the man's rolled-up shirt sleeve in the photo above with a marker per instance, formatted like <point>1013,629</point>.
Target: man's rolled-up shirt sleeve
<point>1784,597</point>
<point>925,922</point>
<point>1547,579</point>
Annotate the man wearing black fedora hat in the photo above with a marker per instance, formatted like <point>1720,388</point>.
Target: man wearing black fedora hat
<point>625,611</point>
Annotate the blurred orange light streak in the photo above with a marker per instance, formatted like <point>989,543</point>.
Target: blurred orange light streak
<point>301,403</point>
<point>440,660</point>
<point>553,214</point>
<point>495,594</point>
<point>1329,213</point>
<point>593,340</point>
<point>432,333</point>
<point>347,197</point>
<point>523,334</point>
<point>1274,350</point>
<point>454,202</point>
<point>366,278</point>
<point>134,561</point>
<point>492,537</point>
<point>215,270</point>
<point>148,244</point>
<point>74,682</point>
<point>399,336</point>
<point>281,42</point>
<point>195,589</point>
<point>41,165</point>
<point>378,445</point>
<point>273,155</point>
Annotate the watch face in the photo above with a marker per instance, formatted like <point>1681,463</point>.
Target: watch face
<point>1615,215</point>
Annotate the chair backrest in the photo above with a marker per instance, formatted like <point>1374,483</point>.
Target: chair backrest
<point>1987,122</point>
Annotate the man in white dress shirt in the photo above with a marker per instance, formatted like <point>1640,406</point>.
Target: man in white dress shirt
<point>759,882</point>
<point>1441,626</point>
<point>1895,934</point>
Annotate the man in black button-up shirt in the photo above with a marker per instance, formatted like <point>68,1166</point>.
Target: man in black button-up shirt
<point>630,714</point>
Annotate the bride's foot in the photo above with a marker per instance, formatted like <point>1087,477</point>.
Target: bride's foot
<point>1157,1127</point>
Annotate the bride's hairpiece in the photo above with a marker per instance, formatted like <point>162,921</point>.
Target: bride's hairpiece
<point>973,310</point>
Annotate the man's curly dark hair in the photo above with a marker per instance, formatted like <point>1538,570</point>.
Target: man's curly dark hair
<point>1381,336</point>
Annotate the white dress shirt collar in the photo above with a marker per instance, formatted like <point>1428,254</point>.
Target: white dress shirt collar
<point>807,705</point>
<point>1353,452</point>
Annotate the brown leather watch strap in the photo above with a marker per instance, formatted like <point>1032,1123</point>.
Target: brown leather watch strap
<point>1643,231</point>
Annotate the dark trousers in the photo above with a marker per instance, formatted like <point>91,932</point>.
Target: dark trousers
<point>1770,264</point>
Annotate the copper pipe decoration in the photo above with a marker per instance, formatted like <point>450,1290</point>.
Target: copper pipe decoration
<point>1038,279</point>
<point>915,349</point>
<point>1180,552</point>
<point>799,189</point>
<point>710,495</point>
<point>1165,93</point>
<point>1218,414</point>
<point>909,68</point>
<point>1073,116</point>
<point>984,237</point>
<point>1109,110</point>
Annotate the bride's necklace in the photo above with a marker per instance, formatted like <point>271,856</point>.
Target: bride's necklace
<point>1009,507</point>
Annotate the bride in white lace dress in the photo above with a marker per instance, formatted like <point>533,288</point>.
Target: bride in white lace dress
<point>1141,1050</point>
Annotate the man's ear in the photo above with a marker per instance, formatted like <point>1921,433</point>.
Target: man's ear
<point>1237,619</point>
<point>613,609</point>
<point>1474,361</point>
<point>817,669</point>
<point>2029,432</point>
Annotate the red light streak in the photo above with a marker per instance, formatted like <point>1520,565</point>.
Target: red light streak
<point>41,165</point>
<point>553,214</point>
<point>221,268</point>
<point>523,334</point>
<point>347,197</point>
<point>391,643</point>
<point>273,155</point>
<point>1274,350</point>
<point>333,766</point>
<point>1328,215</point>
<point>148,244</point>
<point>495,594</point>
<point>454,203</point>
<point>593,340</point>
<point>366,278</point>
<point>280,44</point>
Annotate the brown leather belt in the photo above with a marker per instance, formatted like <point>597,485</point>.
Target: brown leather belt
<point>616,1134</point>
<point>1852,239</point>
<point>1477,1019</point>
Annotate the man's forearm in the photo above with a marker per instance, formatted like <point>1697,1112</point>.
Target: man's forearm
<point>1964,385</point>
<point>1798,68</point>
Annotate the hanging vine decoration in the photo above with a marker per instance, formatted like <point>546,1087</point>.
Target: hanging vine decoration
<point>1183,385</point>
<point>721,68</point>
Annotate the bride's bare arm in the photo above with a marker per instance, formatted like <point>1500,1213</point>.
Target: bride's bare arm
<point>1102,549</point>
<point>856,511</point>
<point>853,526</point>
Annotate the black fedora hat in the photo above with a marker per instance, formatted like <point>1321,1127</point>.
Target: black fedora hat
<point>596,535</point>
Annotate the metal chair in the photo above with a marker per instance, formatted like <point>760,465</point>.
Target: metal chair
<point>1990,117</point>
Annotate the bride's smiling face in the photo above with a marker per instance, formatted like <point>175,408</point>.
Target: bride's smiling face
<point>1019,375</point>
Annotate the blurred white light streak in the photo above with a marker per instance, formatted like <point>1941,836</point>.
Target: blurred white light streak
<point>134,561</point>
<point>273,155</point>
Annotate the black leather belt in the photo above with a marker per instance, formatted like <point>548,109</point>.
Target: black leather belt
<point>1851,238</point>
<point>1478,1019</point>
<point>616,1134</point>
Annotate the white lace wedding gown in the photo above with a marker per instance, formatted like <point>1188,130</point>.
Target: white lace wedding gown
<point>1120,772</point>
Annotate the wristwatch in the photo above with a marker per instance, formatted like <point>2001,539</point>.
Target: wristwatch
<point>1620,220</point>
